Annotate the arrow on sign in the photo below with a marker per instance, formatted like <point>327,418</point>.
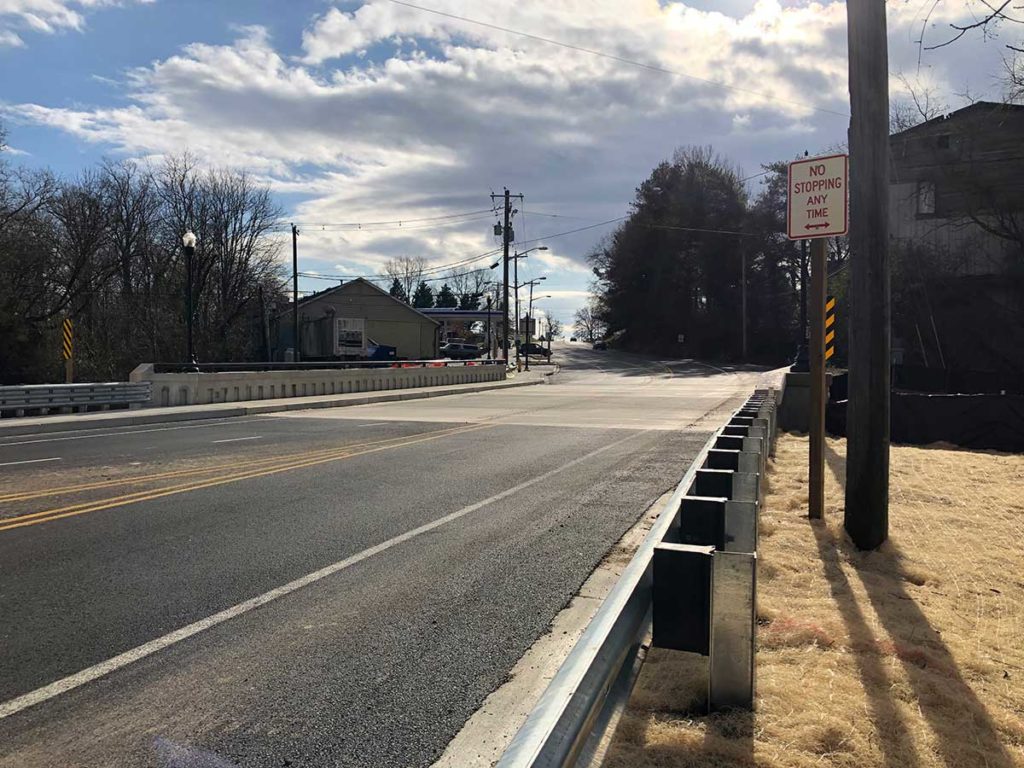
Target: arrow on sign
<point>816,226</point>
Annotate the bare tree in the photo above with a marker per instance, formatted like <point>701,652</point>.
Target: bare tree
<point>988,17</point>
<point>588,324</point>
<point>468,286</point>
<point>407,270</point>
<point>105,248</point>
<point>555,327</point>
<point>920,104</point>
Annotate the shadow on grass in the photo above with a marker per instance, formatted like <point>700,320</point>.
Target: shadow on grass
<point>965,734</point>
<point>894,738</point>
<point>730,734</point>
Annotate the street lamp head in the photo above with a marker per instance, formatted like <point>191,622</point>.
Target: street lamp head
<point>495,265</point>
<point>542,247</point>
<point>188,239</point>
<point>542,277</point>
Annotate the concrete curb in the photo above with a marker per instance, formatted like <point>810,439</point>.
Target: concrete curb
<point>107,420</point>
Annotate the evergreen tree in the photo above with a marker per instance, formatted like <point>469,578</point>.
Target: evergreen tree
<point>469,301</point>
<point>446,298</point>
<point>424,296</point>
<point>398,292</point>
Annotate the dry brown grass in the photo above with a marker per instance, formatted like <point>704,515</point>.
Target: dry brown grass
<point>911,656</point>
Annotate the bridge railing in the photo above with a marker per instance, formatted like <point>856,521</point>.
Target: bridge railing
<point>315,366</point>
<point>45,397</point>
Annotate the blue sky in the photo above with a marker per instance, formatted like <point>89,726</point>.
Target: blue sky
<point>374,111</point>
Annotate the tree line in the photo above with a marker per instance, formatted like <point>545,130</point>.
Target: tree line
<point>104,249</point>
<point>411,279</point>
<point>670,278</point>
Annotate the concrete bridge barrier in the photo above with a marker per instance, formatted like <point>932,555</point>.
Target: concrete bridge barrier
<point>229,386</point>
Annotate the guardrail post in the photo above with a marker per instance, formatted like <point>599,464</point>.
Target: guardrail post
<point>731,662</point>
<point>682,597</point>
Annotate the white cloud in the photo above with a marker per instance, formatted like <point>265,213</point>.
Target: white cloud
<point>10,39</point>
<point>46,16</point>
<point>453,111</point>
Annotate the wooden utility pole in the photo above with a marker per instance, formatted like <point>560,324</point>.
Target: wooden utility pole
<point>296,354</point>
<point>816,422</point>
<point>805,278</point>
<point>506,239</point>
<point>504,303</point>
<point>867,416</point>
<point>743,301</point>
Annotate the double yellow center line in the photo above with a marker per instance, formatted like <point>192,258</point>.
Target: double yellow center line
<point>260,468</point>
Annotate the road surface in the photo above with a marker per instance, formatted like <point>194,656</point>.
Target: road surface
<point>339,587</point>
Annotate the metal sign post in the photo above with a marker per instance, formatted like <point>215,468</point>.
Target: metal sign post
<point>817,209</point>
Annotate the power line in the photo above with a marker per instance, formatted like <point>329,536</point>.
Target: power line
<point>571,231</point>
<point>398,222</point>
<point>697,229</point>
<point>340,228</point>
<point>439,278</point>
<point>620,59</point>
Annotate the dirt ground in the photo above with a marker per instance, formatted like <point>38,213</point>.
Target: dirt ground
<point>909,656</point>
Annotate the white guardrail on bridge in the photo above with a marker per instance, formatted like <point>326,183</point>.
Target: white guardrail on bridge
<point>45,397</point>
<point>690,586</point>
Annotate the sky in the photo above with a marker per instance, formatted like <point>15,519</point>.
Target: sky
<point>358,113</point>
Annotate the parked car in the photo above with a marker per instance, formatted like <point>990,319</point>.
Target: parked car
<point>572,338</point>
<point>459,350</point>
<point>533,348</point>
<point>600,344</point>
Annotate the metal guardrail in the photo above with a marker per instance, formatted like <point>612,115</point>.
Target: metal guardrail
<point>47,396</point>
<point>315,366</point>
<point>595,680</point>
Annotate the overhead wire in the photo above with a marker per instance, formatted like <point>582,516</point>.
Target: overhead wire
<point>398,222</point>
<point>620,59</point>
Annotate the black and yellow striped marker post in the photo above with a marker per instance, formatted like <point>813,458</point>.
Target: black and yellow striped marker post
<point>69,350</point>
<point>830,327</point>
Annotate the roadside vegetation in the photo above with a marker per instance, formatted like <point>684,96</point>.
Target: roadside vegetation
<point>905,656</point>
<point>104,248</point>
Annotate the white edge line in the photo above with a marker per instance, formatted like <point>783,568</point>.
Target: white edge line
<point>237,439</point>
<point>94,433</point>
<point>28,461</point>
<point>376,424</point>
<point>87,675</point>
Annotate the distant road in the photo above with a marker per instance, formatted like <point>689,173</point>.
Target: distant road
<point>329,587</point>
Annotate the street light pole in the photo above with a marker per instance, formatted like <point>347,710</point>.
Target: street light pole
<point>529,315</point>
<point>188,242</point>
<point>515,279</point>
<point>488,336</point>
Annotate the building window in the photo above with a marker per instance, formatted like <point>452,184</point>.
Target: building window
<point>925,198</point>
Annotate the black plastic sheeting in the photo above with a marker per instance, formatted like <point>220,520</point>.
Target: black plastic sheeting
<point>970,421</point>
<point>918,378</point>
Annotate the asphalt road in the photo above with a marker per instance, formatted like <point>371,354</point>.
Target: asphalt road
<point>337,587</point>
